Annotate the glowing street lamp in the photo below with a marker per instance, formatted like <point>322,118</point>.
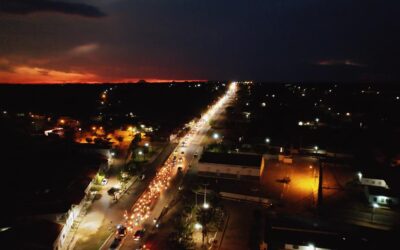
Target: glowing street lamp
<point>216,136</point>
<point>316,148</point>
<point>198,226</point>
<point>206,206</point>
<point>140,152</point>
<point>359,174</point>
<point>146,144</point>
<point>374,205</point>
<point>267,140</point>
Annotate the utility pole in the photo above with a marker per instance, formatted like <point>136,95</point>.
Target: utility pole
<point>320,181</point>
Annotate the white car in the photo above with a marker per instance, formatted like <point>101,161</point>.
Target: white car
<point>104,181</point>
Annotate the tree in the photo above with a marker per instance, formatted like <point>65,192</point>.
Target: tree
<point>181,238</point>
<point>137,139</point>
<point>204,217</point>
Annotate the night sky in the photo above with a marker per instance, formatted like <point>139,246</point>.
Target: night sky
<point>269,40</point>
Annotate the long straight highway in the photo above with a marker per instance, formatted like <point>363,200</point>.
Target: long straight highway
<point>162,189</point>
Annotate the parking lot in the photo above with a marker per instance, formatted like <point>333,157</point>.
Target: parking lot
<point>294,185</point>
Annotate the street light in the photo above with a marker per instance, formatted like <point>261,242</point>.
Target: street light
<point>140,152</point>
<point>359,174</point>
<point>198,226</point>
<point>205,204</point>
<point>267,140</point>
<point>146,144</point>
<point>316,148</point>
<point>374,205</point>
<point>215,136</point>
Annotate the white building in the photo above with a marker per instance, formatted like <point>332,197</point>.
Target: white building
<point>377,190</point>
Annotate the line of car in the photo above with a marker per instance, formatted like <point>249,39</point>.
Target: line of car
<point>120,235</point>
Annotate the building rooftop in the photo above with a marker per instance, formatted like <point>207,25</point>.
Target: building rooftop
<point>232,159</point>
<point>391,176</point>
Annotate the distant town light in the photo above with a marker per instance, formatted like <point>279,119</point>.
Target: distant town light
<point>300,123</point>
<point>281,150</point>
<point>62,121</point>
<point>263,104</point>
<point>140,152</point>
<point>315,148</point>
<point>267,140</point>
<point>348,114</point>
<point>146,144</point>
<point>317,119</point>
<point>206,205</point>
<point>397,97</point>
<point>94,128</point>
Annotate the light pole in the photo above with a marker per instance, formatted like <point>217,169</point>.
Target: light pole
<point>205,204</point>
<point>374,205</point>
<point>140,153</point>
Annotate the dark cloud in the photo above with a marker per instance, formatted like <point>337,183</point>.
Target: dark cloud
<point>24,7</point>
<point>346,62</point>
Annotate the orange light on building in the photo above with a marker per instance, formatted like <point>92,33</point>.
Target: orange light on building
<point>94,128</point>
<point>62,121</point>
